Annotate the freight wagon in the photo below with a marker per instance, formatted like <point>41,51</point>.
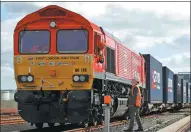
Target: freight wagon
<point>154,84</point>
<point>189,93</point>
<point>188,86</point>
<point>168,87</point>
<point>183,88</point>
<point>178,93</point>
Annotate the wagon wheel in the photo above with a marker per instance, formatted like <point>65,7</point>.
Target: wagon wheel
<point>51,124</point>
<point>39,125</point>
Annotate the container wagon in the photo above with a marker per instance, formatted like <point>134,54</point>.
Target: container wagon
<point>154,84</point>
<point>168,88</point>
<point>187,94</point>
<point>183,88</point>
<point>177,92</point>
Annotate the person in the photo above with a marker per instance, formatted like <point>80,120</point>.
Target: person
<point>134,105</point>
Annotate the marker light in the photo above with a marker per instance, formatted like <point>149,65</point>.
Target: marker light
<point>52,24</point>
<point>30,78</point>
<point>76,78</point>
<point>23,78</point>
<point>82,78</point>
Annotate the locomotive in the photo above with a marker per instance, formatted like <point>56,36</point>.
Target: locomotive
<point>64,65</point>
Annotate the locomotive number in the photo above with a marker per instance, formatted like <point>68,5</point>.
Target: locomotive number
<point>80,70</point>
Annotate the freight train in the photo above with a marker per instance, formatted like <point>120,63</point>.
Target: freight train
<point>64,65</point>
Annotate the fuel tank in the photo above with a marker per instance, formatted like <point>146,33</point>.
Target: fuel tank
<point>121,107</point>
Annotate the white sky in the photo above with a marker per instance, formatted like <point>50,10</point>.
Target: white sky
<point>159,28</point>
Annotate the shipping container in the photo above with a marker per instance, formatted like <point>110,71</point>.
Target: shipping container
<point>168,87</point>
<point>183,88</point>
<point>177,89</point>
<point>189,92</point>
<point>184,75</point>
<point>154,84</point>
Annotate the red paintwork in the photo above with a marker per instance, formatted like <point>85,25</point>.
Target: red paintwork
<point>125,66</point>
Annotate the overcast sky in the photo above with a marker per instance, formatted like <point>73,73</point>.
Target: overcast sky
<point>161,29</point>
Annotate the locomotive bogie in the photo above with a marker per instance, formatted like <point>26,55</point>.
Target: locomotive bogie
<point>50,106</point>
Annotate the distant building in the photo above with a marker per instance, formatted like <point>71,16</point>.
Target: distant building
<point>185,75</point>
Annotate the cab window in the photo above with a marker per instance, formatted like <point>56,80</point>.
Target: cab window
<point>32,42</point>
<point>72,41</point>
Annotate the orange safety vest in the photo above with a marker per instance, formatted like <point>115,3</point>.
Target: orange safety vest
<point>138,98</point>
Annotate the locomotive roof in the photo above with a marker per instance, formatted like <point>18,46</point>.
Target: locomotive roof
<point>66,13</point>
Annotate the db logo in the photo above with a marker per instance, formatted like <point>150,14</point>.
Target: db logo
<point>155,80</point>
<point>156,77</point>
<point>169,83</point>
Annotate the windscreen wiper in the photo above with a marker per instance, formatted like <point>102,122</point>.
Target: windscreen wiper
<point>23,32</point>
<point>84,32</point>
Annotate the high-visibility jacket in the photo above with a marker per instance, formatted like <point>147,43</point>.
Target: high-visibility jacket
<point>138,97</point>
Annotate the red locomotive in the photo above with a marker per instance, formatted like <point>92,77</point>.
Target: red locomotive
<point>64,64</point>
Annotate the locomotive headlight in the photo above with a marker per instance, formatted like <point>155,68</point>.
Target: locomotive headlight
<point>23,78</point>
<point>52,24</point>
<point>30,79</point>
<point>76,78</point>
<point>82,78</point>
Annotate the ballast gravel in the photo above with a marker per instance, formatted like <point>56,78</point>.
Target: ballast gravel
<point>152,123</point>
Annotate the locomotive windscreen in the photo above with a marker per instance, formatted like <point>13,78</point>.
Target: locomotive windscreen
<point>33,42</point>
<point>72,41</point>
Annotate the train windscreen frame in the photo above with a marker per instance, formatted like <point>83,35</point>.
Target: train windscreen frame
<point>34,41</point>
<point>72,41</point>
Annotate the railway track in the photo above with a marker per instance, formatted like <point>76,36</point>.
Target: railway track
<point>14,119</point>
<point>11,119</point>
<point>90,129</point>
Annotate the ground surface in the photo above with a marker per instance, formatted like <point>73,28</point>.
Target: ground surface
<point>154,123</point>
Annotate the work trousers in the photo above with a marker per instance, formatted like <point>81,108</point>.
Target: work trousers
<point>134,112</point>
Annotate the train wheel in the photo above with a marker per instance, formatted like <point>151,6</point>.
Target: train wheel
<point>94,122</point>
<point>39,125</point>
<point>51,124</point>
<point>62,124</point>
<point>126,116</point>
<point>101,121</point>
<point>85,124</point>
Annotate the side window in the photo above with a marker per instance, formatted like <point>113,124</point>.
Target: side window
<point>97,37</point>
<point>95,42</point>
<point>110,60</point>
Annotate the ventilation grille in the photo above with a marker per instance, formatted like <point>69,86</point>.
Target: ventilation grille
<point>52,12</point>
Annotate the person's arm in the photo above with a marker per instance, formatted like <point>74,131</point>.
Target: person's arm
<point>134,96</point>
<point>135,91</point>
